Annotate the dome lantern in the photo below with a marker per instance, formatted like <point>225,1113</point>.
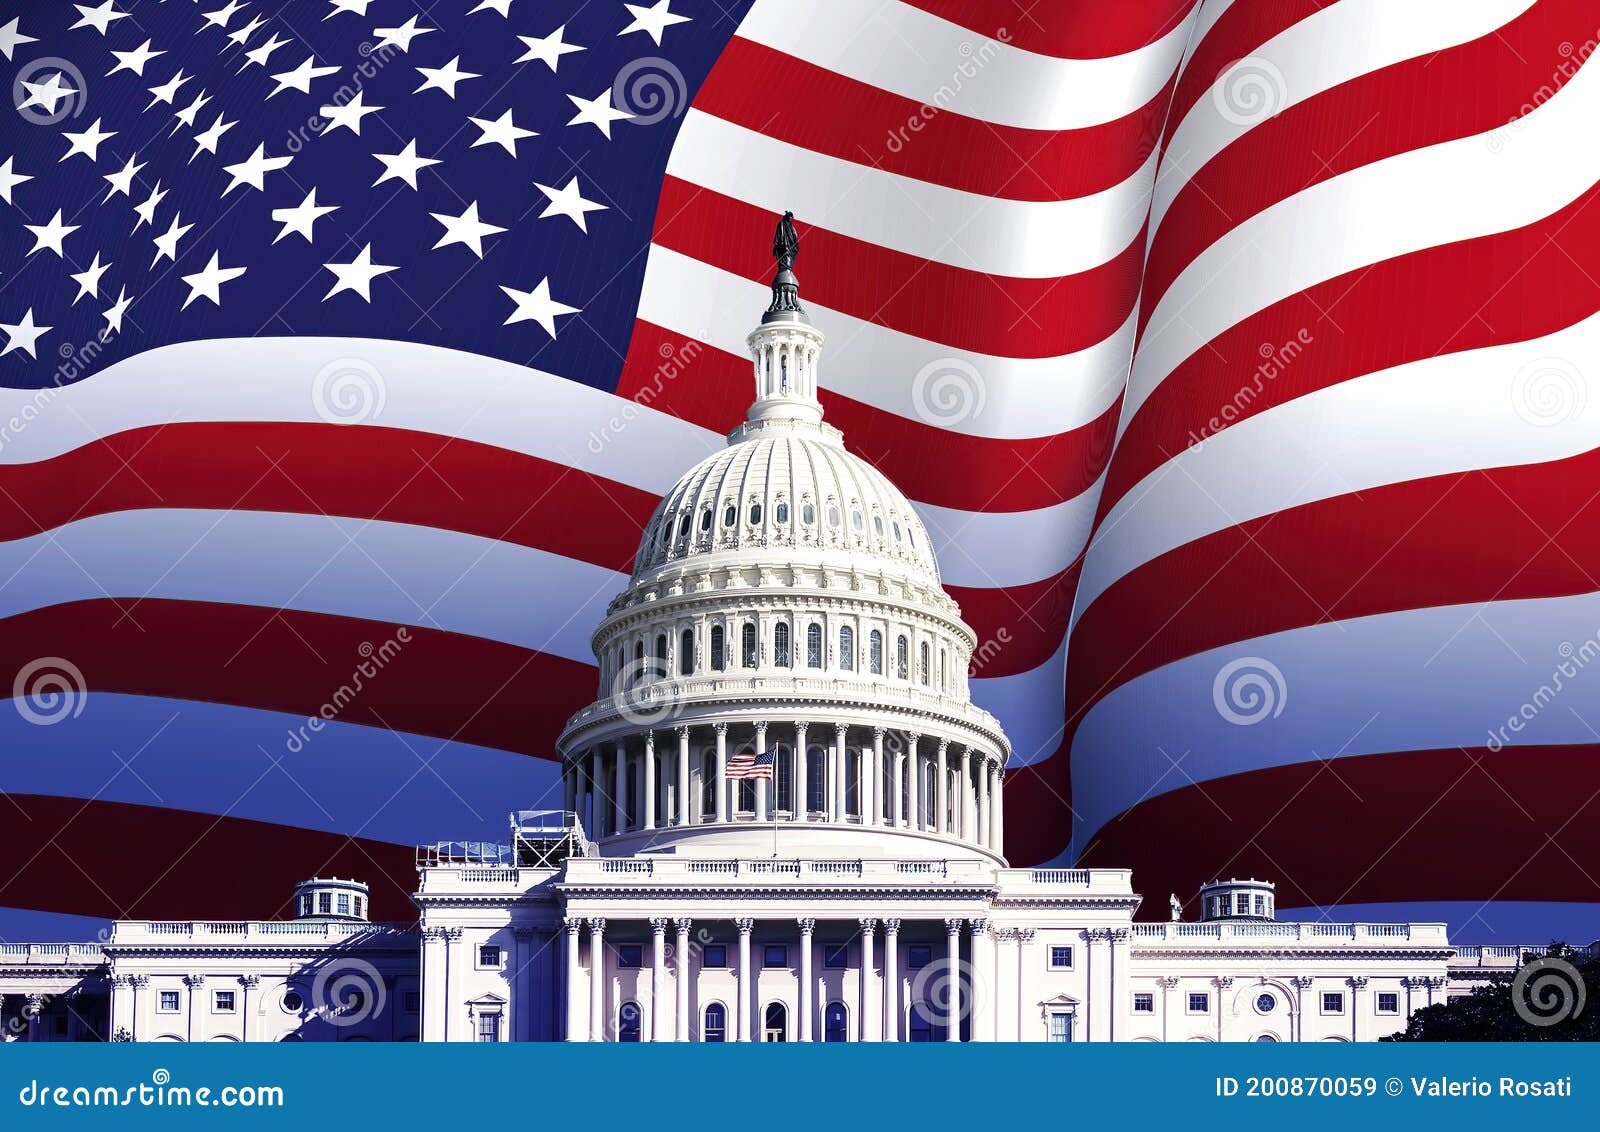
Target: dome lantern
<point>785,347</point>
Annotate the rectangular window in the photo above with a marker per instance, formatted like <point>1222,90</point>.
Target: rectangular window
<point>1199,1002</point>
<point>324,903</point>
<point>168,1002</point>
<point>222,1002</point>
<point>630,956</point>
<point>488,1027</point>
<point>344,903</point>
<point>1144,1003</point>
<point>1333,1002</point>
<point>1261,905</point>
<point>918,956</point>
<point>413,1001</point>
<point>358,906</point>
<point>774,955</point>
<point>1388,1003</point>
<point>488,955</point>
<point>716,955</point>
<point>1061,958</point>
<point>836,955</point>
<point>1060,1026</point>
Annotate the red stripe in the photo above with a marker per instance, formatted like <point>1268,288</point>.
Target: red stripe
<point>1509,287</point>
<point>117,860</point>
<point>1068,29</point>
<point>752,86</point>
<point>1018,627</point>
<point>444,685</point>
<point>1467,90</point>
<point>1523,824</point>
<point>967,310</point>
<point>932,465</point>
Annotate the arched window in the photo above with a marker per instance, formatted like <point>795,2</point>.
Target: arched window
<point>755,514</point>
<point>833,516</point>
<point>783,777</point>
<point>747,644</point>
<point>730,515</point>
<point>877,525</point>
<point>897,530</point>
<point>781,513</point>
<point>715,1028</point>
<point>814,646</point>
<point>847,648</point>
<point>835,1023</point>
<point>719,659</point>
<point>683,525</point>
<point>808,514</point>
<point>638,664</point>
<point>902,650</point>
<point>705,519</point>
<point>628,1022</point>
<point>708,787</point>
<point>855,520</point>
<point>686,653</point>
<point>780,646</point>
<point>875,652</point>
<point>924,667</point>
<point>816,769</point>
<point>944,669</point>
<point>661,670</point>
<point>776,1017</point>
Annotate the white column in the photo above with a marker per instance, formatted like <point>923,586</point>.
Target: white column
<point>197,986</point>
<point>763,785</point>
<point>598,818</point>
<point>807,991</point>
<point>658,978</point>
<point>521,976</point>
<point>982,982</point>
<point>746,977</point>
<point>685,809</point>
<point>597,979</point>
<point>891,980</point>
<point>869,1031</point>
<point>1024,937</point>
<point>969,812</point>
<point>572,925</point>
<point>941,793</point>
<point>619,797</point>
<point>800,774</point>
<point>649,779</point>
<point>838,809</point>
<point>983,801</point>
<point>952,931</point>
<point>722,771</point>
<point>682,1032</point>
<point>875,779</point>
<point>897,791</point>
<point>569,786</point>
<point>914,773</point>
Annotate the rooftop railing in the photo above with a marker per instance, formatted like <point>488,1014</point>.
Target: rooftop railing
<point>1432,935</point>
<point>52,954</point>
<point>126,932</point>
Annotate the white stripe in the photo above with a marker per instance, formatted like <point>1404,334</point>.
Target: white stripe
<point>1030,705</point>
<point>1419,679</point>
<point>919,56</point>
<point>998,397</point>
<point>1000,549</point>
<point>1454,191</point>
<point>1507,922</point>
<point>1026,239</point>
<point>1333,46</point>
<point>1521,403</point>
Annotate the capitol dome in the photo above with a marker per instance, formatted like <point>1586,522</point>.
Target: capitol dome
<point>784,662</point>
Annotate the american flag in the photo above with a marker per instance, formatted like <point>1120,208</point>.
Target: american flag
<point>349,345</point>
<point>748,764</point>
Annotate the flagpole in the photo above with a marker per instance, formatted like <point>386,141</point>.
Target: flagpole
<point>775,807</point>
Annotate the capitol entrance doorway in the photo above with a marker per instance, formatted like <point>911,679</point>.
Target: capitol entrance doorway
<point>777,1027</point>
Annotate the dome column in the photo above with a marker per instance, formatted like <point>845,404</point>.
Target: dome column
<point>969,808</point>
<point>983,800</point>
<point>870,1031</point>
<point>597,792</point>
<point>807,991</point>
<point>722,771</point>
<point>891,980</point>
<point>764,785</point>
<point>897,790</point>
<point>874,807</point>
<point>941,812</point>
<point>837,801</point>
<point>649,779</point>
<point>569,786</point>
<point>685,813</point>
<point>619,796</point>
<point>746,977</point>
<point>799,781</point>
<point>914,774</point>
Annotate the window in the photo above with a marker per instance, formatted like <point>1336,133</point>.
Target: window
<point>222,1002</point>
<point>918,956</point>
<point>715,1027</point>
<point>776,1017</point>
<point>1261,905</point>
<point>1333,1002</point>
<point>630,956</point>
<point>747,644</point>
<point>1061,958</point>
<point>358,905</point>
<point>344,904</point>
<point>489,956</point>
<point>705,519</point>
<point>1144,1003</point>
<point>780,646</point>
<point>1060,1026</point>
<point>833,516</point>
<point>808,514</point>
<point>755,514</point>
<point>847,648</point>
<point>855,520</point>
<point>924,669</point>
<point>686,653</point>
<point>719,660</point>
<point>780,513</point>
<point>489,1027</point>
<point>659,670</point>
<point>875,652</point>
<point>169,1002</point>
<point>902,649</point>
<point>774,955</point>
<point>836,956</point>
<point>1388,1003</point>
<point>897,530</point>
<point>683,526</point>
<point>324,903</point>
<point>921,1026</point>
<point>814,646</point>
<point>629,1022</point>
<point>835,1023</point>
<point>292,1002</point>
<point>730,515</point>
<point>413,1002</point>
<point>305,905</point>
<point>1199,1002</point>
<point>1265,1003</point>
<point>716,955</point>
<point>877,525</point>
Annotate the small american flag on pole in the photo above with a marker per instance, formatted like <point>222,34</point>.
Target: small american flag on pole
<point>747,764</point>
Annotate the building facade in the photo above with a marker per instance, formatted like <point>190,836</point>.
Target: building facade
<point>783,819</point>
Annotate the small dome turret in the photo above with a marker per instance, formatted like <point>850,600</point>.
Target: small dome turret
<point>1238,900</point>
<point>330,899</point>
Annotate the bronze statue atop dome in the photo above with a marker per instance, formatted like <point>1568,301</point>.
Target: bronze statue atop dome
<point>785,287</point>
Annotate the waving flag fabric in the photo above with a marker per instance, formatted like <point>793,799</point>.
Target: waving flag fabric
<point>349,347</point>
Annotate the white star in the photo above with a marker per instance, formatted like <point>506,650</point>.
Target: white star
<point>537,306</point>
<point>119,308</point>
<point>89,281</point>
<point>122,180</point>
<point>400,37</point>
<point>208,138</point>
<point>302,216</point>
<point>597,111</point>
<point>238,38</point>
<point>403,166</point>
<point>185,116</point>
<point>501,6</point>
<point>349,115</point>
<point>222,15</point>
<point>146,211</point>
<point>465,229</point>
<point>208,283</point>
<point>167,242</point>
<point>652,20</point>
<point>300,78</point>
<point>87,142</point>
<point>98,18</point>
<point>569,202</point>
<point>357,275</point>
<point>503,131</point>
<point>260,55</point>
<point>134,60</point>
<point>47,93</point>
<point>50,235</point>
<point>253,170</point>
<point>359,7</point>
<point>166,92</point>
<point>444,78</point>
<point>23,335</point>
<point>548,50</point>
<point>10,179</point>
<point>12,38</point>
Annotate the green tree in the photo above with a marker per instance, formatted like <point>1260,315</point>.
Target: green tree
<point>1550,998</point>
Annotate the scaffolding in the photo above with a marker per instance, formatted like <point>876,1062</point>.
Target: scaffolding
<point>540,839</point>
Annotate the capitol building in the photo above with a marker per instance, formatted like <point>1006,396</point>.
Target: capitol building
<point>783,820</point>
